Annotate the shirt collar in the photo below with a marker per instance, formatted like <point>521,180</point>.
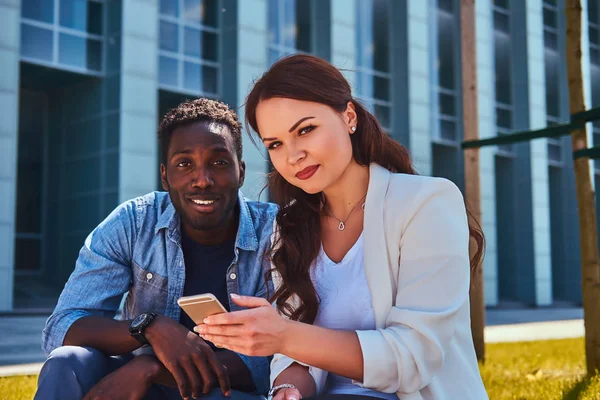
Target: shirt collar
<point>246,235</point>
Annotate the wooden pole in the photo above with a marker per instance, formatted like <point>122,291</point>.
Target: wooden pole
<point>472,180</point>
<point>590,264</point>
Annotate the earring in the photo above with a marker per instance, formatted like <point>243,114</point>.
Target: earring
<point>353,129</point>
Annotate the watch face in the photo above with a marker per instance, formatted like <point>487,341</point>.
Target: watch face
<point>139,320</point>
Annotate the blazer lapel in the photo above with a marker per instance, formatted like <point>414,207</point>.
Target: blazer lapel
<point>376,262</point>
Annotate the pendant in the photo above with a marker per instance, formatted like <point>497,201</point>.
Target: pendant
<point>341,226</point>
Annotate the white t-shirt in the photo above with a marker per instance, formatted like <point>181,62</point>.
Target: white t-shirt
<point>345,304</point>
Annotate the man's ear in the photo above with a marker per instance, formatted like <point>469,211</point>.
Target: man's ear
<point>242,173</point>
<point>163,177</point>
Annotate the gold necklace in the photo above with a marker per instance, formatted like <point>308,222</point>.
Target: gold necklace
<point>342,224</point>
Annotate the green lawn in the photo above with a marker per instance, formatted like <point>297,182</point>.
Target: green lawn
<point>18,387</point>
<point>544,370</point>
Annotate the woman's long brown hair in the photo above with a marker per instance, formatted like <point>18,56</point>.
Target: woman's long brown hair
<point>308,78</point>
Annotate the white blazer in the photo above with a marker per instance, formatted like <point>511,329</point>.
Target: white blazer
<point>417,266</point>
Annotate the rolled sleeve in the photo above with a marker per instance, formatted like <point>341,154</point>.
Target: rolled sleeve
<point>281,362</point>
<point>431,300</point>
<point>101,277</point>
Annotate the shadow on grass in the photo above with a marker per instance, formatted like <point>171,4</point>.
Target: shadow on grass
<point>575,392</point>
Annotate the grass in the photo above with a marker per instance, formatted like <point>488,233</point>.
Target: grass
<point>18,387</point>
<point>543,370</point>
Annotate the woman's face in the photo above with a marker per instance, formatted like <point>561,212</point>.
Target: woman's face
<point>309,143</point>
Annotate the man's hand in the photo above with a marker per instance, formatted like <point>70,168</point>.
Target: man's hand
<point>188,358</point>
<point>130,382</point>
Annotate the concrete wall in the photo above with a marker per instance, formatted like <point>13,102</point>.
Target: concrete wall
<point>10,33</point>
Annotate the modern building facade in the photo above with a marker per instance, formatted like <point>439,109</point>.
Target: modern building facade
<point>83,85</point>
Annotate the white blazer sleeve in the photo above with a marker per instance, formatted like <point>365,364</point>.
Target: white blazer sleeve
<point>433,284</point>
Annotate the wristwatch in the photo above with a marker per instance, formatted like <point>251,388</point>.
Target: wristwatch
<point>139,324</point>
<point>274,389</point>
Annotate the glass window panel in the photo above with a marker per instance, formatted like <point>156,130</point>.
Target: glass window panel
<point>593,12</point>
<point>595,56</point>
<point>446,50</point>
<point>550,18</point>
<point>554,151</point>
<point>273,22</point>
<point>501,4</point>
<point>594,34</point>
<point>381,38</point>
<point>210,13</point>
<point>95,18</point>
<point>289,23</point>
<point>210,46</point>
<point>550,40</point>
<point>36,42</point>
<point>169,36</point>
<point>191,76</point>
<point>80,52</point>
<point>503,118</point>
<point>382,113</point>
<point>303,26</point>
<point>27,254</point>
<point>168,71</point>
<point>81,15</point>
<point>39,10</point>
<point>29,185</point>
<point>73,14</point>
<point>447,104</point>
<point>210,79</point>
<point>551,3</point>
<point>501,22</point>
<point>382,88</point>
<point>191,42</point>
<point>169,7</point>
<point>502,60</point>
<point>551,65</point>
<point>446,5</point>
<point>192,11</point>
<point>273,55</point>
<point>596,86</point>
<point>448,129</point>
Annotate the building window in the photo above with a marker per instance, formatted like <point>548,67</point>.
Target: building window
<point>290,28</point>
<point>594,35</point>
<point>63,33</point>
<point>445,77</point>
<point>502,64</point>
<point>189,37</point>
<point>552,63</point>
<point>373,77</point>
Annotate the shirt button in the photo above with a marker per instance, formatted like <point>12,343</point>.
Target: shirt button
<point>149,275</point>
<point>232,276</point>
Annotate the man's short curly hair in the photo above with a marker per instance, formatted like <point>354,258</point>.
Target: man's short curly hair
<point>192,111</point>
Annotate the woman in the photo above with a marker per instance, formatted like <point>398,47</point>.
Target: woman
<point>370,263</point>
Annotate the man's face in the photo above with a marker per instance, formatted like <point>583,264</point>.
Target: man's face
<point>202,174</point>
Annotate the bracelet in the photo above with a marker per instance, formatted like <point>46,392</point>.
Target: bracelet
<point>274,389</point>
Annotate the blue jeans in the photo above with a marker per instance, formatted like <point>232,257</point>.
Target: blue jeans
<point>71,371</point>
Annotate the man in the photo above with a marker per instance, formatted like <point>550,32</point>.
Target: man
<point>200,237</point>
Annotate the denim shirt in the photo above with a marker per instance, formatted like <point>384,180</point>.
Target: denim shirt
<point>137,250</point>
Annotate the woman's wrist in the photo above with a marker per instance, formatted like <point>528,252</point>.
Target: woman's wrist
<point>273,391</point>
<point>287,336</point>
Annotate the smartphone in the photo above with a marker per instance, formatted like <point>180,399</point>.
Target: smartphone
<point>200,306</point>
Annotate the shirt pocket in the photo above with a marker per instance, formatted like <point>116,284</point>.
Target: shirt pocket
<point>148,292</point>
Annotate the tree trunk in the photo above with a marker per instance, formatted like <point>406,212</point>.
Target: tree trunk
<point>590,268</point>
<point>472,180</point>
